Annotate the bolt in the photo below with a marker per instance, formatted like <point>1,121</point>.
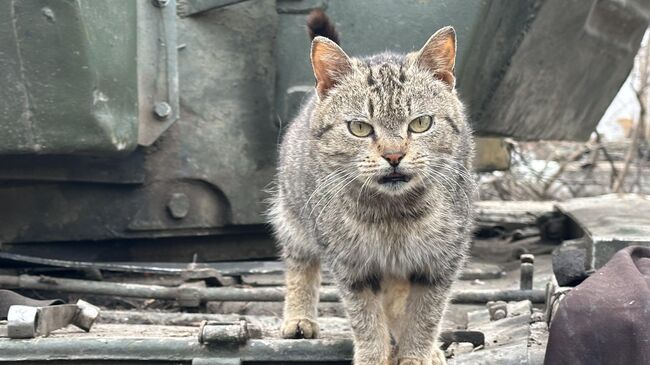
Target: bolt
<point>499,314</point>
<point>498,310</point>
<point>162,110</point>
<point>527,258</point>
<point>160,3</point>
<point>178,205</point>
<point>527,271</point>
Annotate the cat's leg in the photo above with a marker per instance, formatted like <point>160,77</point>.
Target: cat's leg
<point>301,301</point>
<point>419,326</point>
<point>369,325</point>
<point>302,276</point>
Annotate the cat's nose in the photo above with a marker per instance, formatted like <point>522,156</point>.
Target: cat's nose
<point>393,157</point>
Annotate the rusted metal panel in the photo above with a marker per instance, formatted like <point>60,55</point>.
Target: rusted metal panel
<point>68,76</point>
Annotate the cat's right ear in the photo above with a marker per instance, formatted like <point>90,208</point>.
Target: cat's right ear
<point>330,64</point>
<point>439,55</point>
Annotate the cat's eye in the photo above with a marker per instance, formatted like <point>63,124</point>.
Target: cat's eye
<point>360,129</point>
<point>421,124</point>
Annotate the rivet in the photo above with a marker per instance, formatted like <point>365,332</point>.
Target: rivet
<point>178,205</point>
<point>162,110</point>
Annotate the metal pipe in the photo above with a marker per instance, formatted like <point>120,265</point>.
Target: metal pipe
<point>171,349</point>
<point>228,294</point>
<point>87,287</point>
<point>527,271</point>
<point>506,295</point>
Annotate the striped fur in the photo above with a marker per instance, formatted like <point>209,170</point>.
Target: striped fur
<point>394,249</point>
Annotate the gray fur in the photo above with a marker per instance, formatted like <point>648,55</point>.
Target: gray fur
<point>329,207</point>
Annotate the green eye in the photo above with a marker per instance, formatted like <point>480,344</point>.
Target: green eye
<point>360,129</point>
<point>421,124</point>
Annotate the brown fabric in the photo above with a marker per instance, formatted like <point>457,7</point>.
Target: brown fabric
<point>606,319</point>
<point>9,298</point>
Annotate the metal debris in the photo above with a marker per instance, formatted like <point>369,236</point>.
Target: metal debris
<point>609,223</point>
<point>29,322</point>
<point>498,310</point>
<point>195,295</point>
<point>527,270</point>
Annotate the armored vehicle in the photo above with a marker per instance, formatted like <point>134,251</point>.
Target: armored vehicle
<point>147,130</point>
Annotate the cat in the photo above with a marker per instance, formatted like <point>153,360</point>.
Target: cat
<point>374,181</point>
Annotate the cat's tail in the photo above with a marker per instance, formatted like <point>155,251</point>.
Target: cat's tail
<point>319,24</point>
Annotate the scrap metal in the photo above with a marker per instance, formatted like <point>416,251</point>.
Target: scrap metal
<point>28,322</point>
<point>268,294</point>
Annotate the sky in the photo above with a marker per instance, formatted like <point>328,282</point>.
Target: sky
<point>624,106</point>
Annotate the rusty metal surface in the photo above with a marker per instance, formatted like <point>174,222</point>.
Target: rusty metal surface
<point>160,332</point>
<point>158,83</point>
<point>242,71</point>
<point>68,78</point>
<point>227,98</point>
<point>504,341</point>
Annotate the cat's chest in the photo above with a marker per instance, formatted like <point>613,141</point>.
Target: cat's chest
<point>390,233</point>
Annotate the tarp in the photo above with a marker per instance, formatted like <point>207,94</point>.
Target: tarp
<point>606,319</point>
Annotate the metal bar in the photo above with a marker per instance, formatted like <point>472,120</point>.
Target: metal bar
<point>88,287</point>
<point>171,349</point>
<point>487,295</point>
<point>166,318</point>
<point>227,294</point>
<point>118,267</point>
<point>233,268</point>
<point>187,8</point>
<point>158,93</point>
<point>526,272</point>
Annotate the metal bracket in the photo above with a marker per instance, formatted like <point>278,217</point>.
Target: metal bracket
<point>29,322</point>
<point>498,310</point>
<point>188,296</point>
<point>213,332</point>
<point>476,338</point>
<point>158,93</point>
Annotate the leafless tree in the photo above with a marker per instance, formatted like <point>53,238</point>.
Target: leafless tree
<point>642,69</point>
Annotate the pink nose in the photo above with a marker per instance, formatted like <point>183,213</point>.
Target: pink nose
<point>393,158</point>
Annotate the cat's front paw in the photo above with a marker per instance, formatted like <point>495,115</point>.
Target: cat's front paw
<point>299,328</point>
<point>437,359</point>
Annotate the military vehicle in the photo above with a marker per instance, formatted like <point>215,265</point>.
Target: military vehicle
<point>147,130</point>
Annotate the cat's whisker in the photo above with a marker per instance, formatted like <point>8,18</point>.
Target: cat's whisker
<point>326,180</point>
<point>448,178</point>
<point>361,190</point>
<point>437,179</point>
<point>353,178</point>
<point>327,192</point>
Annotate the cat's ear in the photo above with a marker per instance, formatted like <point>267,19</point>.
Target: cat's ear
<point>329,62</point>
<point>439,55</point>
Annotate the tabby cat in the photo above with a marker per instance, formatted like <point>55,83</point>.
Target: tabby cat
<point>374,182</point>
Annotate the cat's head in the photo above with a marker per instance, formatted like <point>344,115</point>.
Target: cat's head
<point>392,123</point>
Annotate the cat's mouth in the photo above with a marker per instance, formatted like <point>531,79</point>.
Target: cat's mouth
<point>394,177</point>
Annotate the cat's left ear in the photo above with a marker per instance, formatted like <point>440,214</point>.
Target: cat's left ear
<point>439,55</point>
<point>330,64</point>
